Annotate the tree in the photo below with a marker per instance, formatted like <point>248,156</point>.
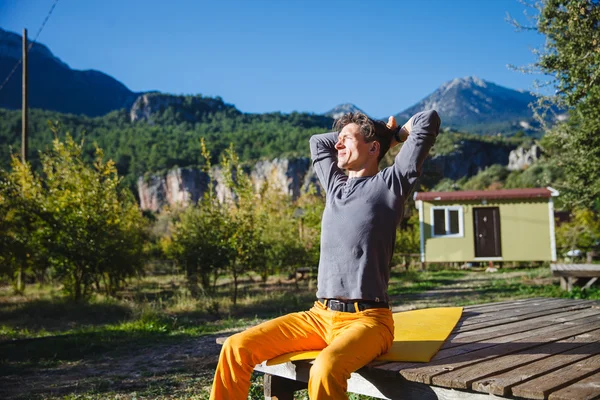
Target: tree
<point>408,239</point>
<point>582,232</point>
<point>571,57</point>
<point>22,248</point>
<point>312,206</point>
<point>247,243</point>
<point>75,221</point>
<point>95,229</point>
<point>200,242</point>
<point>283,233</point>
<point>572,51</point>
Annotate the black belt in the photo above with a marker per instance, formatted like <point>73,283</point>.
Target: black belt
<point>349,306</point>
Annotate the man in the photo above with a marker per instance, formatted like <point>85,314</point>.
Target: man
<point>351,322</point>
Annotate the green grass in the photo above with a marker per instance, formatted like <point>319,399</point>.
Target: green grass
<point>411,281</point>
<point>481,287</point>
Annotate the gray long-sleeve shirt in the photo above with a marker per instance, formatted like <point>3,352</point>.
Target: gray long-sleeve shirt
<point>358,229</point>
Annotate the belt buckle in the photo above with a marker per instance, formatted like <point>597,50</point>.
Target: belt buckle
<point>336,305</point>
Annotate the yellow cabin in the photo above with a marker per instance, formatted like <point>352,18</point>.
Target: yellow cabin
<point>487,225</point>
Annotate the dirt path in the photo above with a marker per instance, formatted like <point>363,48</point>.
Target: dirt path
<point>192,359</point>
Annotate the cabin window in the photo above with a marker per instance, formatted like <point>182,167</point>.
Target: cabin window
<point>447,221</point>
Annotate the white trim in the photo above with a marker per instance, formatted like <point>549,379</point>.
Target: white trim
<point>553,192</point>
<point>487,259</point>
<point>447,209</point>
<point>552,235</point>
<point>419,205</point>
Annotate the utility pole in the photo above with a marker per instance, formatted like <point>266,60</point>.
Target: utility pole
<point>24,100</point>
<point>20,273</point>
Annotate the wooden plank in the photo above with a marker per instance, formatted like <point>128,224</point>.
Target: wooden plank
<point>399,389</point>
<point>529,340</point>
<point>589,284</point>
<point>494,335</point>
<point>220,340</point>
<point>577,274</point>
<point>464,377</point>
<point>575,267</point>
<point>523,308</point>
<point>298,371</point>
<point>548,301</point>
<point>471,317</point>
<point>374,385</point>
<point>502,305</point>
<point>478,329</point>
<point>576,270</point>
<point>518,316</point>
<point>585,389</point>
<point>516,326</point>
<point>541,387</point>
<point>505,302</point>
<point>501,384</point>
<point>468,348</point>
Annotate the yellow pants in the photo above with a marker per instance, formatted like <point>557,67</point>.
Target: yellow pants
<point>348,342</point>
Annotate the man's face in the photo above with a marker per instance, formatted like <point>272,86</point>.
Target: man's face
<point>353,151</point>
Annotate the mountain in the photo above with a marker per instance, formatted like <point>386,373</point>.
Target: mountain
<point>342,109</point>
<point>53,85</point>
<point>474,105</point>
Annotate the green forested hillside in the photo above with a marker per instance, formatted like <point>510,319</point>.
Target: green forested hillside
<point>169,140</point>
<point>169,130</point>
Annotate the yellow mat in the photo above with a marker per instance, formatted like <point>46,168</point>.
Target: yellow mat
<point>418,335</point>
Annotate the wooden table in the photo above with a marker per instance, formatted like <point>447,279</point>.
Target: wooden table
<point>570,273</point>
<point>541,348</point>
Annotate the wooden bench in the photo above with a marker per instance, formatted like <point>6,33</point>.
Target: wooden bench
<point>571,273</point>
<point>531,349</point>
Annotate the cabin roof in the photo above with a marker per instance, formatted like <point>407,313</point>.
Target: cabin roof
<point>502,194</point>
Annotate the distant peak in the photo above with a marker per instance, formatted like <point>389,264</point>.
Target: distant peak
<point>342,109</point>
<point>475,80</point>
<point>470,102</point>
<point>468,81</point>
<point>346,106</point>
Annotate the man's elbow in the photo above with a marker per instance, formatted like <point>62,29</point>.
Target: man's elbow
<point>313,146</point>
<point>433,118</point>
<point>431,121</point>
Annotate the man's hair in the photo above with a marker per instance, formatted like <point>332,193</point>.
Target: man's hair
<point>371,130</point>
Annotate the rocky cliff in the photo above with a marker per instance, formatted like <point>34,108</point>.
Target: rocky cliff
<point>185,186</point>
<point>148,106</point>
<point>522,158</point>
<point>468,158</point>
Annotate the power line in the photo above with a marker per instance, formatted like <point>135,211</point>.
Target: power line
<point>30,45</point>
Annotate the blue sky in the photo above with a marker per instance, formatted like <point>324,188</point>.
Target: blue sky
<point>275,55</point>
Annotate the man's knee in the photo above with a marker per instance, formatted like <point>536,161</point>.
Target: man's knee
<point>327,367</point>
<point>239,346</point>
<point>235,341</point>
